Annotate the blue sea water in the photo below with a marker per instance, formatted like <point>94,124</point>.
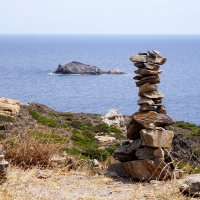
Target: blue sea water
<point>26,63</point>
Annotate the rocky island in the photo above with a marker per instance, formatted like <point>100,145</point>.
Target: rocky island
<point>75,67</point>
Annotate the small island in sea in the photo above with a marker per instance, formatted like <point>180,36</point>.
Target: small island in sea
<point>75,67</point>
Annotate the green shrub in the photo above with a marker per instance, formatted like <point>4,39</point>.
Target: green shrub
<point>72,151</point>
<point>195,130</point>
<point>43,119</point>
<point>85,140</point>
<point>5,118</point>
<point>99,154</point>
<point>105,128</point>
<point>47,137</point>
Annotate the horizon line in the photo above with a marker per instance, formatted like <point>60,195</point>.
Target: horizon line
<point>99,34</point>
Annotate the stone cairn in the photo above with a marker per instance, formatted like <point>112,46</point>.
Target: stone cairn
<point>145,156</point>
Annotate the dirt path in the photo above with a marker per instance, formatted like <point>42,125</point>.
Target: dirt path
<point>24,185</point>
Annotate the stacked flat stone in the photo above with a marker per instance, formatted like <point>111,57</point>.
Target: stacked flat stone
<point>146,155</point>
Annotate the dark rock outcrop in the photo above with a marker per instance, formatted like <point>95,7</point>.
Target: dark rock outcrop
<point>80,68</point>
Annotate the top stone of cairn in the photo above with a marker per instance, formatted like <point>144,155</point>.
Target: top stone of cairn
<point>151,57</point>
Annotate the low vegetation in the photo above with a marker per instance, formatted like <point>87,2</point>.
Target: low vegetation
<point>195,129</point>
<point>5,118</point>
<point>44,120</point>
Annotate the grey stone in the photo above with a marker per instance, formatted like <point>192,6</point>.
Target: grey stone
<point>190,185</point>
<point>127,152</point>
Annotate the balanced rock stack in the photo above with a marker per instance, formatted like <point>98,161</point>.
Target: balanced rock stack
<point>146,155</point>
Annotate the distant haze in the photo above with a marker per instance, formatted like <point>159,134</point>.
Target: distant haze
<point>100,17</point>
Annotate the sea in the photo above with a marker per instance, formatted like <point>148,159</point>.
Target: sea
<point>27,63</point>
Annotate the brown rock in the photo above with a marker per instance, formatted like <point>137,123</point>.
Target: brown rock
<point>158,137</point>
<point>145,118</point>
<point>138,77</point>
<point>147,87</point>
<point>152,95</point>
<point>139,65</point>
<point>151,66</point>
<point>149,153</point>
<point>149,79</point>
<point>144,100</point>
<point>147,72</point>
<point>161,109</point>
<point>146,107</point>
<point>147,170</point>
<point>133,130</point>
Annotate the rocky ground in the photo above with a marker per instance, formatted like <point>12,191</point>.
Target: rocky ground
<point>35,137</point>
<point>61,185</point>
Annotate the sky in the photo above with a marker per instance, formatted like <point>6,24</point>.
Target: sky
<point>99,16</point>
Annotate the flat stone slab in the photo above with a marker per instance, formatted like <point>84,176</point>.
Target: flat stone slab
<point>157,137</point>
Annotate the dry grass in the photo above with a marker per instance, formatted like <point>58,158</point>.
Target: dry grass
<point>27,150</point>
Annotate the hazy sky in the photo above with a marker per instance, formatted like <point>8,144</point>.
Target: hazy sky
<point>100,16</point>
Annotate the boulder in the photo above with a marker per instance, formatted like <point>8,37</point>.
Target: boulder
<point>114,118</point>
<point>9,106</point>
<point>152,95</point>
<point>157,137</point>
<point>190,185</point>
<point>147,87</point>
<point>145,118</point>
<point>146,170</point>
<point>80,68</point>
<point>149,153</point>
